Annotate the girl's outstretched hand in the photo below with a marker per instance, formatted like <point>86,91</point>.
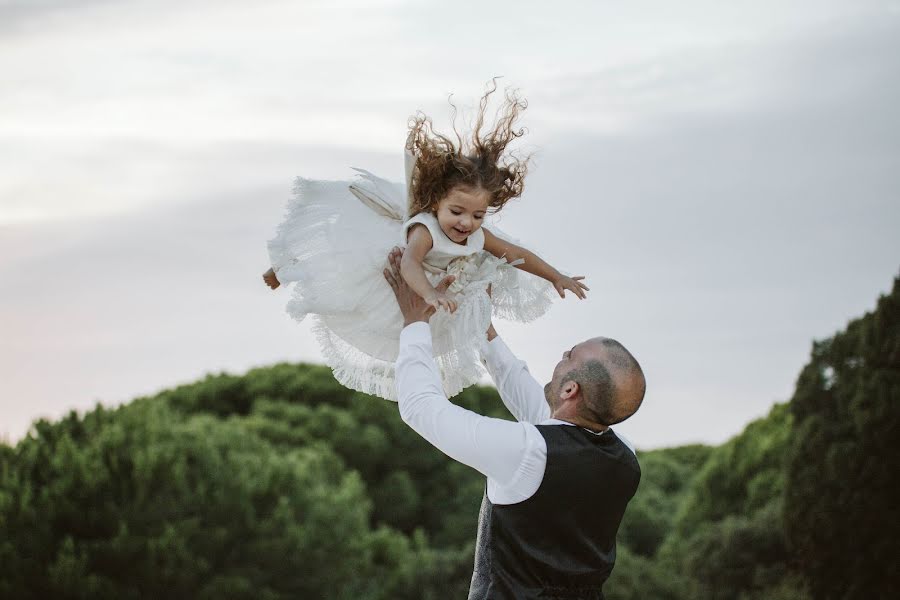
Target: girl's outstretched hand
<point>572,284</point>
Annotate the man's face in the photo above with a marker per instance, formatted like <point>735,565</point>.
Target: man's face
<point>571,359</point>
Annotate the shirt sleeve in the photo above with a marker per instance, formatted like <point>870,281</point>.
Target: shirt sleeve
<point>495,447</point>
<point>519,390</point>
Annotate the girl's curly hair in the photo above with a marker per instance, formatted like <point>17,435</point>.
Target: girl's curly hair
<point>441,165</point>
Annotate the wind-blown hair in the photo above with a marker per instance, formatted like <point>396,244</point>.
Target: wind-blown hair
<point>442,165</point>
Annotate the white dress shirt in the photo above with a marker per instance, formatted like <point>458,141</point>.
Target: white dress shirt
<point>512,455</point>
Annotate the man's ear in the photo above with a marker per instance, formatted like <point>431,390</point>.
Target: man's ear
<point>569,390</point>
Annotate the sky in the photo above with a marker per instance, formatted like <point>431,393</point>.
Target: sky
<point>725,175</point>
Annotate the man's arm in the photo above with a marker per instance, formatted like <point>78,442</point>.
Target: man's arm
<point>519,390</point>
<point>494,447</point>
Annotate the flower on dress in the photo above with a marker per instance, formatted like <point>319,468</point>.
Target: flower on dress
<point>464,269</point>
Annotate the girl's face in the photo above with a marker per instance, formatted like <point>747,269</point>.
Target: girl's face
<point>461,212</point>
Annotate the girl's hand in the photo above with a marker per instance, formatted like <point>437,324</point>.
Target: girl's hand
<point>439,299</point>
<point>572,284</point>
<point>412,306</point>
<point>270,279</point>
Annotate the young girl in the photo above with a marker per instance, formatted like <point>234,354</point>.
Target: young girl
<point>336,236</point>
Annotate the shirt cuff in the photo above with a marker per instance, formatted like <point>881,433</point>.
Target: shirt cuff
<point>494,351</point>
<point>416,333</point>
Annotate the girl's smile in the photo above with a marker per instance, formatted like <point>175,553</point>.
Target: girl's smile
<point>461,212</point>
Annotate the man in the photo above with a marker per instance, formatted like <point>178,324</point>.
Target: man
<point>558,480</point>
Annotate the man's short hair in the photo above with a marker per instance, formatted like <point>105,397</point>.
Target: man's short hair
<point>603,402</point>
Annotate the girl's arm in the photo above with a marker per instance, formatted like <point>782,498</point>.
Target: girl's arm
<point>533,264</point>
<point>418,244</point>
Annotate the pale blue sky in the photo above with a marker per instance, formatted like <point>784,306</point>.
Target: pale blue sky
<point>726,175</point>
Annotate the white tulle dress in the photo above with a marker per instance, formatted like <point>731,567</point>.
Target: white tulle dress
<point>333,245</point>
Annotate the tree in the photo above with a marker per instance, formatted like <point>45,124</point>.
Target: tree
<point>842,510</point>
<point>139,503</point>
<point>666,475</point>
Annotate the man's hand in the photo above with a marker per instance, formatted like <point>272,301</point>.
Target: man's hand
<point>412,306</point>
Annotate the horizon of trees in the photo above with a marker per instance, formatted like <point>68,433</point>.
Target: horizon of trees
<point>280,483</point>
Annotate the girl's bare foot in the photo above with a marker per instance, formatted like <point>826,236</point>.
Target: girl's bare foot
<point>270,279</point>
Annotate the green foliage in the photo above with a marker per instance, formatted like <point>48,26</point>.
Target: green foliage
<point>665,476</point>
<point>148,505</point>
<point>280,483</point>
<point>741,476</point>
<point>637,577</point>
<point>301,405</point>
<point>277,484</point>
<point>842,508</point>
<point>711,516</point>
<point>205,491</point>
<point>736,555</point>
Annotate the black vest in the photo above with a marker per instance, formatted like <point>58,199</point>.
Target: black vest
<point>561,542</point>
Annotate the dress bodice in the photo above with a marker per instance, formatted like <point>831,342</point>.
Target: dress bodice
<point>444,250</point>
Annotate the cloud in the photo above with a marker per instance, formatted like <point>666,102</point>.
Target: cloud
<point>728,203</point>
<point>18,13</point>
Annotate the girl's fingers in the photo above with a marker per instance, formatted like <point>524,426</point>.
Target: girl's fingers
<point>445,283</point>
<point>578,291</point>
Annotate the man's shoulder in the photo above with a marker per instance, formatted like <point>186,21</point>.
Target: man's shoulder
<point>627,442</point>
<point>608,441</point>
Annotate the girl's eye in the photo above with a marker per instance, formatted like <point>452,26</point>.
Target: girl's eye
<point>455,212</point>
<point>479,217</point>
